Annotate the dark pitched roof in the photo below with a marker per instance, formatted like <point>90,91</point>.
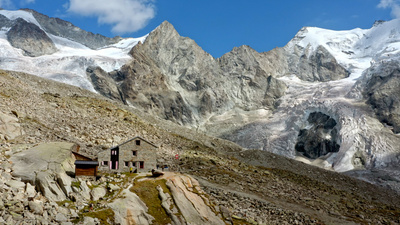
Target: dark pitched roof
<point>137,137</point>
<point>83,162</point>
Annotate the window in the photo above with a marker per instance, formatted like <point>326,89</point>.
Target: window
<point>137,142</point>
<point>133,164</point>
<point>104,163</point>
<point>127,164</point>
<point>134,153</point>
<point>141,164</point>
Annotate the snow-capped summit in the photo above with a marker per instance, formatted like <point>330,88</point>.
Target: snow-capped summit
<point>68,52</point>
<point>354,49</point>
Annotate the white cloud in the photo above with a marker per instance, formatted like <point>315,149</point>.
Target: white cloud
<point>124,15</point>
<point>394,5</point>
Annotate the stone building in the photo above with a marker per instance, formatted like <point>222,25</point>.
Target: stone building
<point>136,153</point>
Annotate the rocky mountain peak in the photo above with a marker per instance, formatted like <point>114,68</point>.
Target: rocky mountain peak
<point>30,38</point>
<point>67,30</point>
<point>378,22</point>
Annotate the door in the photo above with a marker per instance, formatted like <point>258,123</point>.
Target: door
<point>114,158</point>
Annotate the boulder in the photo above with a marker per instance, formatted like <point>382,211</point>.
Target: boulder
<point>46,182</point>
<point>61,218</point>
<point>157,173</point>
<point>88,221</point>
<point>36,207</point>
<point>113,187</point>
<point>65,183</point>
<point>85,190</point>
<point>46,166</point>
<point>187,196</point>
<point>130,209</point>
<point>9,127</point>
<point>30,190</point>
<point>98,193</point>
<point>16,184</point>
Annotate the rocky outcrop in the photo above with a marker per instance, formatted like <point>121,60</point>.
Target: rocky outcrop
<point>130,210</point>
<point>381,88</point>
<point>318,65</point>
<point>319,138</point>
<point>30,38</point>
<point>103,83</point>
<point>275,89</point>
<point>191,201</point>
<point>46,166</point>
<point>67,30</point>
<point>9,127</point>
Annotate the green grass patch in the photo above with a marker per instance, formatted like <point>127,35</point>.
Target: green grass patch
<point>148,193</point>
<point>62,203</point>
<point>76,184</point>
<point>240,221</point>
<point>106,216</point>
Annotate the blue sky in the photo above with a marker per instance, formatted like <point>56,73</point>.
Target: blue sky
<point>216,25</point>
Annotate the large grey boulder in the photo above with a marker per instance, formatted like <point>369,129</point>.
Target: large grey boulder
<point>36,207</point>
<point>9,127</point>
<point>46,166</point>
<point>47,184</point>
<point>30,38</point>
<point>190,200</point>
<point>98,193</point>
<point>130,209</point>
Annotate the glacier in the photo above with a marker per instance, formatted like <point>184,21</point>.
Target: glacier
<point>69,63</point>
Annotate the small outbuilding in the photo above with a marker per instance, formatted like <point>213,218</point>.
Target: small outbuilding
<point>86,168</point>
<point>136,154</point>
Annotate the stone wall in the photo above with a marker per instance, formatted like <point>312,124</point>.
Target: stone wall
<point>145,152</point>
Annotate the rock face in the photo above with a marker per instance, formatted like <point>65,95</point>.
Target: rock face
<point>103,83</point>
<point>44,165</point>
<point>67,30</point>
<point>191,201</point>
<point>30,38</point>
<point>320,137</point>
<point>318,65</point>
<point>382,91</point>
<point>172,77</point>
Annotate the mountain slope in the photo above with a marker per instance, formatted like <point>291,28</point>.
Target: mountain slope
<point>280,101</point>
<point>252,186</point>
